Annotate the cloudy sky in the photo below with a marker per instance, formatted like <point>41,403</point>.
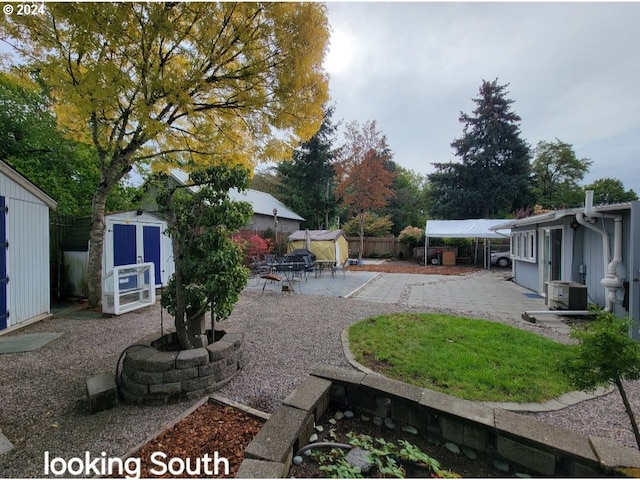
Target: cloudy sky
<point>573,71</point>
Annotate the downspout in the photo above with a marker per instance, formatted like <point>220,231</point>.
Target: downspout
<point>611,281</point>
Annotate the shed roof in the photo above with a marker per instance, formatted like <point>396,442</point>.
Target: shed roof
<point>317,235</point>
<point>475,228</point>
<point>29,186</point>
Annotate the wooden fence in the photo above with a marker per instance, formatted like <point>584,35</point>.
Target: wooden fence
<point>379,247</point>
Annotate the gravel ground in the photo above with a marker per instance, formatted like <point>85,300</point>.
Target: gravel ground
<point>43,404</point>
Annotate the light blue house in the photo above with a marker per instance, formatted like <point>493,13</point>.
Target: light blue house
<point>593,250</point>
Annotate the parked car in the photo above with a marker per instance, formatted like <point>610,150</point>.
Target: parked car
<point>502,259</point>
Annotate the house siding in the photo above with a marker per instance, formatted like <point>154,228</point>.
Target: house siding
<point>583,246</point>
<point>527,274</point>
<point>27,222</point>
<point>634,268</point>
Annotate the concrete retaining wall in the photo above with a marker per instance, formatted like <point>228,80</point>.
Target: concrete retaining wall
<point>151,376</point>
<point>517,439</point>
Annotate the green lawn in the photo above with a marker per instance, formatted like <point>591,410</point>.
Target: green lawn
<point>468,358</point>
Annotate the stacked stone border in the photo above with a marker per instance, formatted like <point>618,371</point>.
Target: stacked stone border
<point>517,439</point>
<point>153,377</point>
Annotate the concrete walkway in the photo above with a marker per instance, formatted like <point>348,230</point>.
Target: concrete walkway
<point>342,284</point>
<point>484,292</point>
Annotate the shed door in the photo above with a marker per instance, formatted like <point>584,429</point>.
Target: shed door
<point>125,251</point>
<point>3,265</point>
<point>151,242</point>
<point>124,244</point>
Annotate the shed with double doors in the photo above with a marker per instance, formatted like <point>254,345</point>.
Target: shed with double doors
<point>130,237</point>
<point>24,250</point>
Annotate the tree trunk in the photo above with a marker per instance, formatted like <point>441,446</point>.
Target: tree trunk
<point>627,407</point>
<point>96,243</point>
<point>180,320</point>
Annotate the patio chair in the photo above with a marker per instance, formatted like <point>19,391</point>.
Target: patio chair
<point>340,267</point>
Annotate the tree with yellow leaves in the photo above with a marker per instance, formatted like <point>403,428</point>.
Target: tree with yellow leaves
<point>194,84</point>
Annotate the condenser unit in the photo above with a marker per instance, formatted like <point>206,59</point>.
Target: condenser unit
<point>566,295</point>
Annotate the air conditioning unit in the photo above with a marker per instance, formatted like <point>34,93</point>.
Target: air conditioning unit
<point>566,295</point>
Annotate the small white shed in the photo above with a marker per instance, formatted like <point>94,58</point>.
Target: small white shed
<point>130,237</point>
<point>24,250</point>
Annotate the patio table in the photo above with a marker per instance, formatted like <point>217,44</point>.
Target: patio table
<point>320,265</point>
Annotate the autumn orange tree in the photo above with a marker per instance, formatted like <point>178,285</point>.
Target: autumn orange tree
<point>191,83</point>
<point>363,182</point>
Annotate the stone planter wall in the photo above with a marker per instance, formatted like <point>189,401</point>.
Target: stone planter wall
<point>516,439</point>
<point>152,377</point>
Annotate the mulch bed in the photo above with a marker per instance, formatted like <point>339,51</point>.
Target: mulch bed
<point>211,429</point>
<point>399,266</point>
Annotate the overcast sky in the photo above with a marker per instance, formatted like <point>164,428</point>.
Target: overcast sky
<point>573,71</point>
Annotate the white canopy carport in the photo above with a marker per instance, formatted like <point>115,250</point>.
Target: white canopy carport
<point>475,228</point>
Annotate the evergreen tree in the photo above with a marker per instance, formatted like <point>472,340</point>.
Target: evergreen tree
<point>494,176</point>
<point>306,183</point>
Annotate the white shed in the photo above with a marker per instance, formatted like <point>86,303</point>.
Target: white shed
<point>24,250</point>
<point>129,237</point>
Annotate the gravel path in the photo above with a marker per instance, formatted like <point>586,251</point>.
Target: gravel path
<point>43,404</point>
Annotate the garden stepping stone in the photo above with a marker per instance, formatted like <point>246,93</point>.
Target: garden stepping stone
<point>357,457</point>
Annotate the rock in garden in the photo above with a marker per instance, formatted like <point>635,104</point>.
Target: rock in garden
<point>452,447</point>
<point>319,428</point>
<point>410,429</point>
<point>308,453</point>
<point>501,465</point>
<point>364,418</point>
<point>332,421</point>
<point>377,421</point>
<point>297,460</point>
<point>433,439</point>
<point>348,414</point>
<point>522,475</point>
<point>339,416</point>
<point>470,453</point>
<point>357,457</point>
<point>390,424</point>
<point>313,438</point>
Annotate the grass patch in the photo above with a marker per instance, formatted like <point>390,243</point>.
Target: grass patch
<point>468,358</point>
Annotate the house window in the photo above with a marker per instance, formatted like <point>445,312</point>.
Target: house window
<point>523,246</point>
